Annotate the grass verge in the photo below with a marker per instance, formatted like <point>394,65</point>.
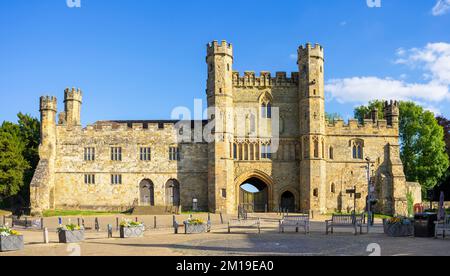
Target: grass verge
<point>74,213</point>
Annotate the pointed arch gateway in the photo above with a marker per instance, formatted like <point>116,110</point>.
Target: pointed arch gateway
<point>255,191</point>
<point>172,193</point>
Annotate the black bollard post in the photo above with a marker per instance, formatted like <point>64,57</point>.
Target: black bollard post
<point>154,222</point>
<point>117,224</point>
<point>82,222</point>
<point>78,220</point>
<point>42,223</point>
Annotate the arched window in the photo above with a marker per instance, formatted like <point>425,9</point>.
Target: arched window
<point>235,152</point>
<point>323,149</point>
<point>357,146</point>
<point>331,153</point>
<point>333,188</point>
<point>316,148</point>
<point>269,111</point>
<point>264,110</point>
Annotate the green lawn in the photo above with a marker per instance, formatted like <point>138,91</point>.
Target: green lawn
<point>70,213</point>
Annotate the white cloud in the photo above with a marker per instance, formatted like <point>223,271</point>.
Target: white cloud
<point>442,7</point>
<point>434,63</point>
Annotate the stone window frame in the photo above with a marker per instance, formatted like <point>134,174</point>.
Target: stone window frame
<point>174,153</point>
<point>357,149</point>
<point>331,153</point>
<point>116,153</point>
<point>116,179</point>
<point>89,154</point>
<point>145,154</point>
<point>89,179</point>
<point>266,152</point>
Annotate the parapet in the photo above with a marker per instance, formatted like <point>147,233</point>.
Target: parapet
<point>73,94</point>
<point>264,80</point>
<point>353,127</point>
<point>315,50</point>
<point>216,48</point>
<point>48,103</point>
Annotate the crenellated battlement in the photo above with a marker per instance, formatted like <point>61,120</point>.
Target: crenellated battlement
<point>353,127</point>
<point>48,103</point>
<point>73,94</point>
<point>216,48</point>
<point>249,79</point>
<point>315,50</point>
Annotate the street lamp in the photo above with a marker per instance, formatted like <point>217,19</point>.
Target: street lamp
<point>369,211</point>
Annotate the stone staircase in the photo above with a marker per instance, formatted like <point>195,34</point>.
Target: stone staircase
<point>154,210</point>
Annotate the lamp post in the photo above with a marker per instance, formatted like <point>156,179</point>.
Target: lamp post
<point>369,211</point>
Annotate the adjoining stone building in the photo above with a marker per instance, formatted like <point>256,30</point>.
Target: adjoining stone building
<point>304,163</point>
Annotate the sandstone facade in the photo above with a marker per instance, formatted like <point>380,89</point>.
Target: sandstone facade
<point>269,131</point>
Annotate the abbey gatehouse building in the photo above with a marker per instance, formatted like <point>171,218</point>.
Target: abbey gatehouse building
<point>301,163</point>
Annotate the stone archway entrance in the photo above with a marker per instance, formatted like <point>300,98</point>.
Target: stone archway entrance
<point>288,202</point>
<point>172,193</point>
<point>147,193</point>
<point>254,195</point>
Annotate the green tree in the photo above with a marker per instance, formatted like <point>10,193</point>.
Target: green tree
<point>332,117</point>
<point>364,112</point>
<point>30,135</point>
<point>422,142</point>
<point>12,162</point>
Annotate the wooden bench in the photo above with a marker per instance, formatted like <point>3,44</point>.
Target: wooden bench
<point>248,223</point>
<point>345,221</point>
<point>442,227</point>
<point>296,222</point>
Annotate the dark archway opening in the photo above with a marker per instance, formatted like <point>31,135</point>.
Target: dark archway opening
<point>288,202</point>
<point>173,193</point>
<point>254,196</point>
<point>147,193</point>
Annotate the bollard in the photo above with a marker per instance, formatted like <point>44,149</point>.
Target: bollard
<point>97,226</point>
<point>59,221</point>
<point>136,219</point>
<point>154,222</point>
<point>117,224</point>
<point>82,222</point>
<point>221,218</point>
<point>42,223</point>
<point>46,240</point>
<point>110,231</point>
<point>4,220</point>
<point>78,220</point>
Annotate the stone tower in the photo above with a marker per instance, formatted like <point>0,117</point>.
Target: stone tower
<point>42,185</point>
<point>72,106</point>
<point>312,128</point>
<point>221,190</point>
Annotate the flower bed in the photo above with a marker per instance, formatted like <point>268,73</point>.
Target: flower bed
<point>131,229</point>
<point>10,240</point>
<point>196,226</point>
<point>70,233</point>
<point>398,227</point>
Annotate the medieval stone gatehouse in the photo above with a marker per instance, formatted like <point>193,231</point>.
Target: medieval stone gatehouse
<point>268,131</point>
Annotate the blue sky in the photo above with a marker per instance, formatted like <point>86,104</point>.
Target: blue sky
<point>137,59</point>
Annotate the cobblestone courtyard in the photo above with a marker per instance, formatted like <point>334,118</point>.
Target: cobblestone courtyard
<point>162,242</point>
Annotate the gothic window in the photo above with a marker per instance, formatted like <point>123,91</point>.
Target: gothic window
<point>316,193</point>
<point>235,152</point>
<point>357,149</point>
<point>316,148</point>
<point>263,111</point>
<point>331,153</point>
<point>333,188</point>
<point>269,111</point>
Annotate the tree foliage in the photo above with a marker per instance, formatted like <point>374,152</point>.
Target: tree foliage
<point>332,117</point>
<point>423,149</point>
<point>19,144</point>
